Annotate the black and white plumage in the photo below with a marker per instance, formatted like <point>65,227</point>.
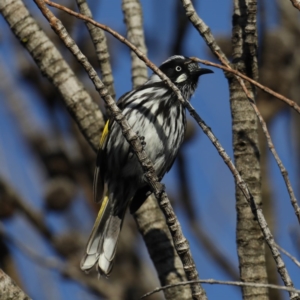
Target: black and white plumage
<point>155,113</point>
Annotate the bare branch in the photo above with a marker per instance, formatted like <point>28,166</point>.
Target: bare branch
<point>157,236</point>
<point>227,68</point>
<point>181,244</point>
<point>99,41</point>
<point>234,283</point>
<point>205,32</point>
<point>202,28</point>
<point>293,258</point>
<point>240,182</point>
<point>135,34</point>
<point>269,141</point>
<point>141,55</point>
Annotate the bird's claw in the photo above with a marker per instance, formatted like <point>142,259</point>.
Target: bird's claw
<point>142,139</point>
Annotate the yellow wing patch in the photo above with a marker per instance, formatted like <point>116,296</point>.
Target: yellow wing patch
<point>102,208</point>
<point>104,135</point>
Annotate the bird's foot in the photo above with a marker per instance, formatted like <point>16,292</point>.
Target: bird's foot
<point>142,139</point>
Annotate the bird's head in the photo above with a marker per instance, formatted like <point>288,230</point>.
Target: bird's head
<point>184,73</point>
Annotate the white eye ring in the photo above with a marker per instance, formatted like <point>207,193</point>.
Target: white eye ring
<point>178,68</point>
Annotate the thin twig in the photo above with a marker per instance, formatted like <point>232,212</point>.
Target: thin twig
<point>141,55</point>
<point>202,28</point>
<point>234,283</point>
<point>204,31</point>
<point>288,101</point>
<point>293,258</point>
<point>180,242</point>
<point>269,141</point>
<point>240,182</point>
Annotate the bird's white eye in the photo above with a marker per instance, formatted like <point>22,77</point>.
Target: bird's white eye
<point>178,68</point>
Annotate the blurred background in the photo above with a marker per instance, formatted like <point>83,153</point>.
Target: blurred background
<point>46,166</point>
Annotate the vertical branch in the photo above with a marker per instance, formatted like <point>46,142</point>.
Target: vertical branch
<point>250,241</point>
<point>134,21</point>
<point>99,41</point>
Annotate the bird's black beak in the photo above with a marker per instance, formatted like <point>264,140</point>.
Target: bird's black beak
<point>202,71</point>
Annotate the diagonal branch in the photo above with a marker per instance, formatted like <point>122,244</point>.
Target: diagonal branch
<point>257,211</point>
<point>226,67</point>
<point>293,258</point>
<point>180,242</point>
<point>143,57</point>
<point>269,141</point>
<point>9,289</point>
<point>99,41</point>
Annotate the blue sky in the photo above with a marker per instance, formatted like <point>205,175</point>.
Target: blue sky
<point>212,184</point>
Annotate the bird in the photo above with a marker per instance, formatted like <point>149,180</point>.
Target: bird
<point>155,114</point>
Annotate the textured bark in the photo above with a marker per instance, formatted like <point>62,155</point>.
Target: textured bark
<point>9,290</point>
<point>99,40</point>
<point>270,217</point>
<point>134,21</point>
<point>180,242</point>
<point>161,249</point>
<point>86,113</point>
<point>250,241</point>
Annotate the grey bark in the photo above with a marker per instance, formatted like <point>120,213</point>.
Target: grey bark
<point>249,237</point>
<point>161,249</point>
<point>88,117</point>
<point>9,290</point>
<point>99,41</point>
<point>134,21</point>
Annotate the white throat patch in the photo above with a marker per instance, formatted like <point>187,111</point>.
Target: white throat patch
<point>181,78</point>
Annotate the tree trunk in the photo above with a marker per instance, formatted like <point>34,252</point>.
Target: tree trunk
<point>250,240</point>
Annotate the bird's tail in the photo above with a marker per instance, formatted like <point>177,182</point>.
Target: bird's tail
<point>102,243</point>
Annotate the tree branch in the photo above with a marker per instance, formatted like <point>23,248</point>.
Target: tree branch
<point>180,243</point>
<point>135,34</point>
<point>9,290</point>
<point>239,181</point>
<point>99,41</point>
<point>255,209</point>
<point>234,283</point>
<point>85,112</point>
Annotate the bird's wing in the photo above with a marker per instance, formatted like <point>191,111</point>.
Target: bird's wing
<point>98,184</point>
